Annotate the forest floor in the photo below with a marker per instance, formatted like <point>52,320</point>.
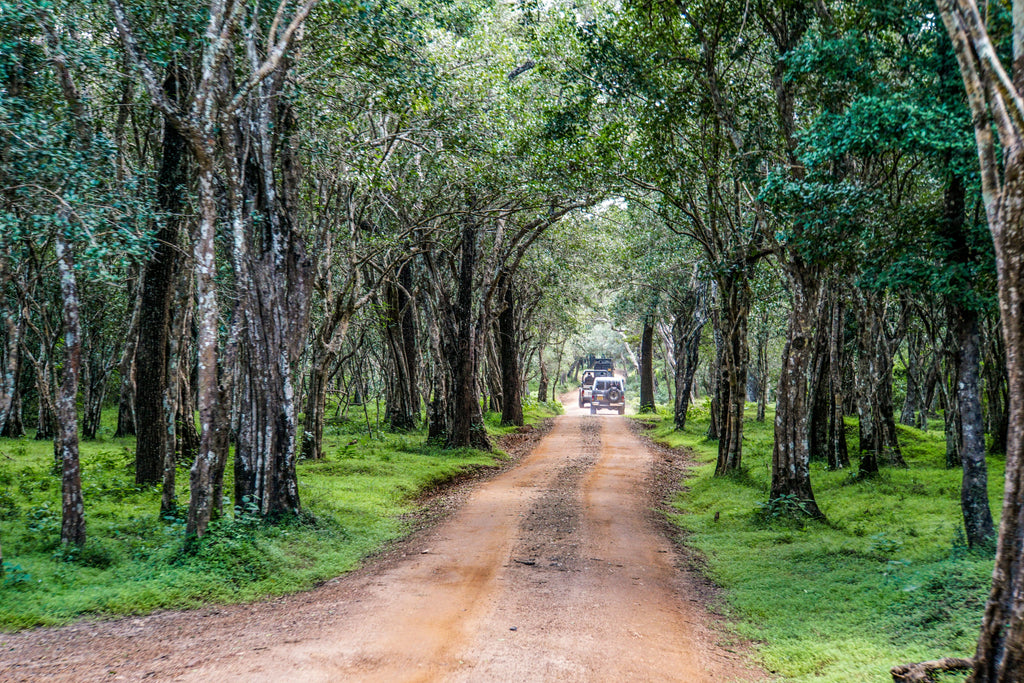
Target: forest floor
<point>560,568</point>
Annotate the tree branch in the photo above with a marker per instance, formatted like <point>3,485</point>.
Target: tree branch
<point>131,46</point>
<point>924,672</point>
<point>275,55</point>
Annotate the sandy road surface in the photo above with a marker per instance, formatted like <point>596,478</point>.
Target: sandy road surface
<point>555,570</point>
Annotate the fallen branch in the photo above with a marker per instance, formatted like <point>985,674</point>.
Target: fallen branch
<point>924,672</point>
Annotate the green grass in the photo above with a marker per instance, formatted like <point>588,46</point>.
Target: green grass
<point>355,500</point>
<point>887,580</point>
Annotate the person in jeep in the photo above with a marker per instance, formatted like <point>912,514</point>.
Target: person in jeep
<point>587,384</point>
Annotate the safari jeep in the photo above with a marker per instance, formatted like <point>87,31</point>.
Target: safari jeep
<point>587,385</point>
<point>610,393</point>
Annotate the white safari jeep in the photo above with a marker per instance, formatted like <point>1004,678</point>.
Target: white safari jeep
<point>608,392</point>
<point>587,385</point>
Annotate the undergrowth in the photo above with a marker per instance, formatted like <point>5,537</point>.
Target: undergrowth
<point>886,579</point>
<point>355,500</point>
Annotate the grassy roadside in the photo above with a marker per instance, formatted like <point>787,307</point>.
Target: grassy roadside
<point>887,580</point>
<point>355,501</point>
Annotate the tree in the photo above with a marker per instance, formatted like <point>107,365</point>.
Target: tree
<point>995,102</point>
<point>152,380</point>
<point>791,456</point>
<point>64,205</point>
<point>698,157</point>
<point>268,271</point>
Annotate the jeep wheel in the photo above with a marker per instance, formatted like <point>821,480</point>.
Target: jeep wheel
<point>622,410</point>
<point>614,395</point>
<point>593,409</point>
<point>581,399</point>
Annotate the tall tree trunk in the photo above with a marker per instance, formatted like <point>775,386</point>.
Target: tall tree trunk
<point>874,386</point>
<point>838,456</point>
<point>950,405</point>
<point>212,415</point>
<point>273,274</point>
<point>762,371</point>
<point>929,392</point>
<point>126,376</point>
<point>181,320</point>
<point>66,441</point>
<point>559,378</point>
<point>508,353</point>
<point>437,406</point>
<point>791,475</point>
<point>786,24</point>
<point>714,378</point>
<point>915,369</point>
<point>647,366</point>
<point>820,391</point>
<point>72,528</point>
<point>402,407</point>
<point>887,413</point>
<point>974,492</point>
<point>188,439</point>
<point>732,381</point>
<point>686,333</point>
<point>866,377</point>
<point>542,385</point>
<point>995,99</point>
<point>13,319</point>
<point>489,368</point>
<point>466,422</point>
<point>316,405</point>
<point>14,427</point>
<point>325,344</point>
<point>1000,654</point>
<point>92,397</point>
<point>46,411</point>
<point>995,380</point>
<point>157,285</point>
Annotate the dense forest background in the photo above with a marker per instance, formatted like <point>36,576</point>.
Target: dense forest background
<point>229,229</point>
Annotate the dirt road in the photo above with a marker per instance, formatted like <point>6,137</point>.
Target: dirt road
<point>555,570</point>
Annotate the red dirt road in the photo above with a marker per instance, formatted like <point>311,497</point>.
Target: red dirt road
<point>557,569</point>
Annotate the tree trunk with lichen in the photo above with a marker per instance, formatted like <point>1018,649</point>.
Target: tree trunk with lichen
<point>213,438</point>
<point>791,476</point>
<point>715,384</point>
<point>72,530</point>
<point>878,444</point>
<point>974,491</point>
<point>838,455</point>
<point>734,310</point>
<point>996,99</point>
<point>273,273</point>
<point>14,326</point>
<point>181,320</point>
